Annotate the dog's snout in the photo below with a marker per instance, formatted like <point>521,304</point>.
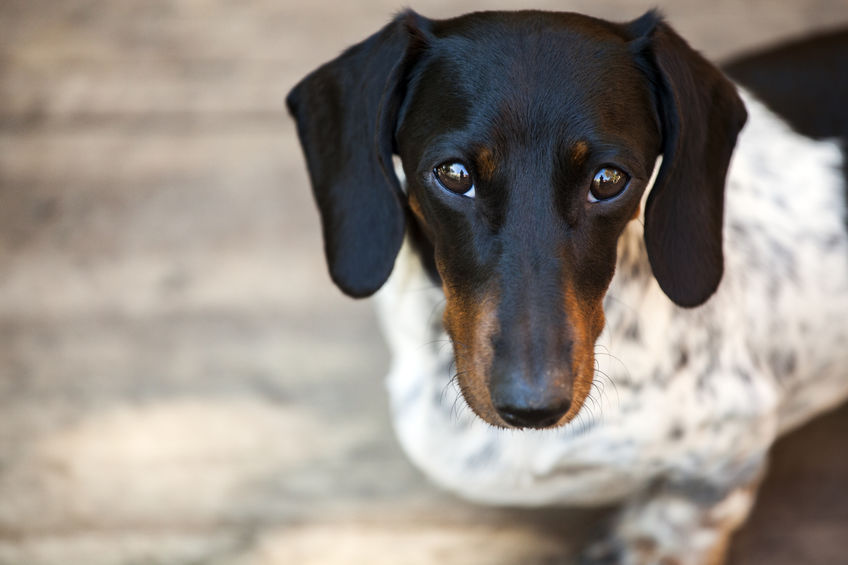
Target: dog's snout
<point>523,405</point>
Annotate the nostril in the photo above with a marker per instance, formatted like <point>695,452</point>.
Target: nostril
<point>533,417</point>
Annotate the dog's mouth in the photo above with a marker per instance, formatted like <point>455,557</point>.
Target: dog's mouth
<point>552,404</point>
<point>513,385</point>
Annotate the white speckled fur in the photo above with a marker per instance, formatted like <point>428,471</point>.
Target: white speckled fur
<point>687,396</point>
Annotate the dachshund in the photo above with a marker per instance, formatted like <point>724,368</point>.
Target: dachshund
<point>633,270</point>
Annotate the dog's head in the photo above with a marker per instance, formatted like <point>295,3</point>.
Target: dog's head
<point>527,140</point>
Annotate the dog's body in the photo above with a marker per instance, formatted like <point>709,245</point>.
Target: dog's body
<point>690,397</point>
<point>681,404</point>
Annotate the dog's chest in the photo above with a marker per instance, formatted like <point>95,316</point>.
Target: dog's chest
<point>698,392</point>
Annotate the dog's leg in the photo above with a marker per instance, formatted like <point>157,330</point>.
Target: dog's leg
<point>683,525</point>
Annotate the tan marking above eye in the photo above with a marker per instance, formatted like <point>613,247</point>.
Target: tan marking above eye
<point>579,151</point>
<point>486,163</point>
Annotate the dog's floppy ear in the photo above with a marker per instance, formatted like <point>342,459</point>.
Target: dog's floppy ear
<point>346,112</point>
<point>700,116</point>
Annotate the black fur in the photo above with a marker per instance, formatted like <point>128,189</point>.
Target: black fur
<point>700,116</point>
<point>346,112</point>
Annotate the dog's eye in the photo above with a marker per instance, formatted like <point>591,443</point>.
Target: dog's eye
<point>454,176</point>
<point>608,182</point>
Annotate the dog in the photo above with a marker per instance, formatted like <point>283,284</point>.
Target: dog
<point>597,238</point>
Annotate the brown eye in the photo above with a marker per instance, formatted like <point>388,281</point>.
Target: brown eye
<point>455,177</point>
<point>608,182</point>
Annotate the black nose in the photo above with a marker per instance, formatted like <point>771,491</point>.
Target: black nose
<point>530,416</point>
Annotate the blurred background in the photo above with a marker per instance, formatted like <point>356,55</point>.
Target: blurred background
<point>179,381</point>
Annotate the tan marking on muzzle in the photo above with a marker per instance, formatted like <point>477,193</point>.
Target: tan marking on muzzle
<point>472,324</point>
<point>587,322</point>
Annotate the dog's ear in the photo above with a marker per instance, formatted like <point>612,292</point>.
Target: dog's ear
<point>700,115</point>
<point>345,112</point>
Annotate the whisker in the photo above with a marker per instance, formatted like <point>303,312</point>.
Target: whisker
<point>453,383</point>
<point>602,379</point>
<point>581,417</point>
<point>597,406</point>
<point>621,363</point>
<point>599,388</point>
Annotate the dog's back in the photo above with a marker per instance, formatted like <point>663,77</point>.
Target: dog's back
<point>805,82</point>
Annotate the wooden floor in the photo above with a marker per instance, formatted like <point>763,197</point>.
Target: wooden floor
<point>179,382</point>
